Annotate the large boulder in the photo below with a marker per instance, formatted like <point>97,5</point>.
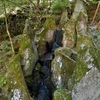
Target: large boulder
<point>12,83</point>
<point>88,57</point>
<point>61,68</point>
<point>28,50</point>
<point>89,86</point>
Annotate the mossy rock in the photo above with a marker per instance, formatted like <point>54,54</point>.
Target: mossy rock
<point>50,23</point>
<point>61,68</point>
<point>64,18</point>
<point>83,42</point>
<point>49,28</point>
<point>15,83</point>
<point>69,36</point>
<point>61,94</point>
<point>79,7</point>
<point>81,25</point>
<point>87,57</point>
<point>79,71</point>
<point>28,55</point>
<point>67,52</point>
<point>28,50</point>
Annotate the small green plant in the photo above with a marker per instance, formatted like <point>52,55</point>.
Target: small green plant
<point>2,80</point>
<point>59,5</point>
<point>5,46</point>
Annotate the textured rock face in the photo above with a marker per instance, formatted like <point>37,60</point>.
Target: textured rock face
<point>28,50</point>
<point>69,36</point>
<point>81,25</point>
<point>89,86</point>
<point>79,7</point>
<point>62,68</point>
<point>15,87</point>
<point>88,57</point>
<point>64,18</point>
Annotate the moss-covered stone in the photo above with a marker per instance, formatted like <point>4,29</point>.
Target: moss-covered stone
<point>15,83</point>
<point>88,57</point>
<point>61,94</point>
<point>79,7</point>
<point>64,18</point>
<point>28,50</point>
<point>46,35</point>
<point>83,42</point>
<point>69,36</point>
<point>61,68</point>
<point>81,25</point>
<point>50,23</point>
<point>79,71</point>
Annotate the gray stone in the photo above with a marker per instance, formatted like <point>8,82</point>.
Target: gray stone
<point>62,68</point>
<point>89,86</point>
<point>28,50</point>
<point>79,7</point>
<point>64,18</point>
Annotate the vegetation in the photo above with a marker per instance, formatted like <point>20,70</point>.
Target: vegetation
<point>43,16</point>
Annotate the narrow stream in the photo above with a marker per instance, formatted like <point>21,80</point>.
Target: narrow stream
<point>45,73</point>
<point>42,88</point>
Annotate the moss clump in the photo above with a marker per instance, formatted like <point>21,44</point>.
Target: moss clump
<point>79,71</point>
<point>50,23</point>
<point>83,42</point>
<point>61,94</point>
<point>25,43</point>
<point>96,55</point>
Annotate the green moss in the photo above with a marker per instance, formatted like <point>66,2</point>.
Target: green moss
<point>96,55</point>
<point>15,79</point>
<point>64,51</point>
<point>62,66</point>
<point>83,42</point>
<point>70,34</point>
<point>61,94</point>
<point>50,23</point>
<point>25,42</point>
<point>79,71</point>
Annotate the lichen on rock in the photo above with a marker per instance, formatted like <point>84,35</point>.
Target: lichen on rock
<point>61,68</point>
<point>69,35</point>
<point>15,81</point>
<point>28,50</point>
